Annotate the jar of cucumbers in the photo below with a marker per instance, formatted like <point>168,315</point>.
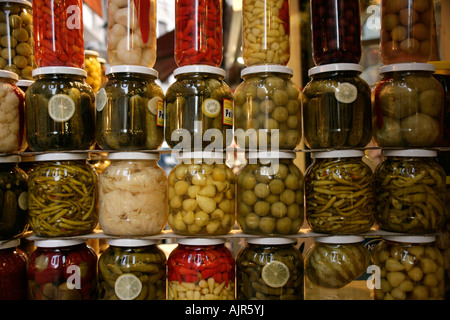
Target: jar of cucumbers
<point>408,107</point>
<point>270,194</point>
<point>267,103</point>
<point>130,110</point>
<point>412,268</point>
<point>410,189</point>
<point>337,109</point>
<point>339,193</point>
<point>270,269</point>
<point>132,269</point>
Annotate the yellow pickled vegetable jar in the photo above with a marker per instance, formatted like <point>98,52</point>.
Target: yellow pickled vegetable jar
<point>93,69</point>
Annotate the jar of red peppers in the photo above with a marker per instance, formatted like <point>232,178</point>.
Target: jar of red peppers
<point>132,32</point>
<point>13,276</point>
<point>201,269</point>
<point>198,32</point>
<point>58,33</point>
<point>266,37</point>
<point>62,270</point>
<point>336,31</point>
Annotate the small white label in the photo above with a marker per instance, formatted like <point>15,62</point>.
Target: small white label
<point>100,99</point>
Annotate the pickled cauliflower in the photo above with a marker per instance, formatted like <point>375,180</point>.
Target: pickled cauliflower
<point>10,127</point>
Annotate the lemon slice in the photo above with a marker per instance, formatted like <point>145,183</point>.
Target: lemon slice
<point>23,200</point>
<point>100,99</point>
<point>275,274</point>
<point>127,286</point>
<point>211,108</point>
<point>153,105</point>
<point>346,93</point>
<point>61,107</point>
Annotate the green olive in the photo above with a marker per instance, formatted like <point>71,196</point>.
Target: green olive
<point>280,114</point>
<point>27,18</point>
<point>284,225</point>
<point>280,97</point>
<point>267,225</point>
<point>23,49</point>
<point>252,220</point>
<point>261,190</point>
<point>20,34</point>
<point>276,186</point>
<point>20,61</point>
<point>15,21</point>
<point>262,208</point>
<point>278,209</point>
<point>288,197</point>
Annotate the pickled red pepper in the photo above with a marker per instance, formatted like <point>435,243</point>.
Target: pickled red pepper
<point>198,32</point>
<point>142,8</point>
<point>58,33</point>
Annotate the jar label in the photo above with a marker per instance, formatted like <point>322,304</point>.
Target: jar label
<point>61,107</point>
<point>100,99</point>
<point>227,112</point>
<point>346,93</point>
<point>160,115</point>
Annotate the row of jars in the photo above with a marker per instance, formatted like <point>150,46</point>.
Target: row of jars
<point>334,267</point>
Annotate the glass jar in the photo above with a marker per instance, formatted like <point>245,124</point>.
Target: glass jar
<point>60,110</point>
<point>270,194</point>
<point>62,195</point>
<point>24,85</point>
<point>12,130</point>
<point>13,197</point>
<point>408,107</point>
<point>58,33</point>
<point>339,193</point>
<point>132,32</point>
<point>201,195</point>
<point>442,74</point>
<point>337,110</point>
<point>411,268</point>
<point>16,41</point>
<point>410,192</point>
<point>93,69</point>
<point>406,30</point>
<point>201,269</point>
<point>265,38</point>
<point>335,268</point>
<point>199,100</point>
<point>130,110</point>
<point>270,269</point>
<point>336,31</point>
<point>62,270</point>
<point>132,269</point>
<point>198,32</point>
<point>133,198</point>
<point>13,271</point>
<point>269,102</point>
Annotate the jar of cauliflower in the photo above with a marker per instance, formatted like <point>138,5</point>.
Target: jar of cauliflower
<point>132,195</point>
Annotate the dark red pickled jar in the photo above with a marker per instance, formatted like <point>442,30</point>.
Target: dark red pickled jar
<point>201,269</point>
<point>336,31</point>
<point>62,270</point>
<point>198,32</point>
<point>58,33</point>
<point>13,276</point>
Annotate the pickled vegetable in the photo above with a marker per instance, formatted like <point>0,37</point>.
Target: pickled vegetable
<point>93,69</point>
<point>13,271</point>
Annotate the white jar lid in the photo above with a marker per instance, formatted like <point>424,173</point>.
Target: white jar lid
<point>200,241</point>
<point>410,239</point>
<point>132,69</point>
<point>266,68</point>
<point>414,66</point>
<point>267,155</point>
<point>91,53</point>
<point>341,239</point>
<point>59,156</point>
<point>24,83</point>
<point>9,244</point>
<point>411,153</point>
<point>271,241</point>
<point>9,75</point>
<point>56,243</point>
<point>199,68</point>
<point>133,156</point>
<point>335,67</point>
<point>28,3</point>
<point>59,70</point>
<point>338,154</point>
<point>131,242</point>
<point>10,159</point>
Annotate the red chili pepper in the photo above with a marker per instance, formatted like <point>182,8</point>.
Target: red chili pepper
<point>190,278</point>
<point>143,9</point>
<point>185,271</point>
<point>207,273</point>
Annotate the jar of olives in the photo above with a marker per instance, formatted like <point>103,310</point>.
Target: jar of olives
<point>62,270</point>
<point>59,110</point>
<point>133,195</point>
<point>334,269</point>
<point>406,28</point>
<point>132,269</point>
<point>337,110</point>
<point>13,271</point>
<point>339,193</point>
<point>270,269</point>
<point>408,107</point>
<point>412,268</point>
<point>270,194</point>
<point>267,107</point>
<point>93,69</point>
<point>16,40</point>
<point>62,195</point>
<point>410,192</point>
<point>336,31</point>
<point>14,197</point>
<point>198,101</point>
<point>201,195</point>
<point>442,74</point>
<point>130,110</point>
<point>201,269</point>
